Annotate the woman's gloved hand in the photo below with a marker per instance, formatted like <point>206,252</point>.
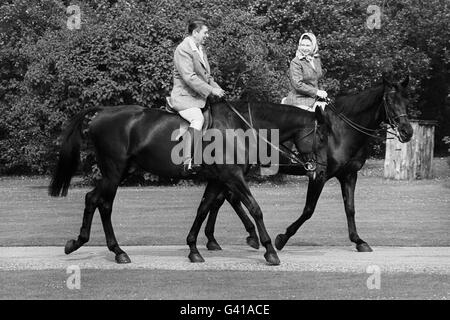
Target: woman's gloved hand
<point>322,94</point>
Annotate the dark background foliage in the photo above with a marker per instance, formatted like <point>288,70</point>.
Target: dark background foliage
<point>122,54</point>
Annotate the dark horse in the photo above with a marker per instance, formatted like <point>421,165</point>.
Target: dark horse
<point>135,136</point>
<point>353,120</point>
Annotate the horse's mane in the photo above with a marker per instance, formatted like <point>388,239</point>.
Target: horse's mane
<point>349,104</point>
<point>358,102</point>
<point>264,108</point>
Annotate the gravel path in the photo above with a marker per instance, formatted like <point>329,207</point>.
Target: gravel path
<point>430,260</point>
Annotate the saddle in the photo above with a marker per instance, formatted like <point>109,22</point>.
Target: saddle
<point>185,124</point>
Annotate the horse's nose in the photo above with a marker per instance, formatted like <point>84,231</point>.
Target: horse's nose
<point>406,132</point>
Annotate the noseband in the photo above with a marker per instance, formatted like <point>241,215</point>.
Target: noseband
<point>392,120</point>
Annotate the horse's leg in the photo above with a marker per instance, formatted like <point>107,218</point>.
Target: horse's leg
<point>348,184</point>
<point>314,190</point>
<point>108,193</point>
<point>85,230</point>
<point>239,187</point>
<point>213,189</point>
<point>211,222</point>
<point>252,239</point>
<point>112,171</point>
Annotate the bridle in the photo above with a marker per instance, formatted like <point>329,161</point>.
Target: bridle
<point>374,133</point>
<point>308,163</point>
<point>392,120</point>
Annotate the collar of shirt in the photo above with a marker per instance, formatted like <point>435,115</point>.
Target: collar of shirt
<point>195,48</point>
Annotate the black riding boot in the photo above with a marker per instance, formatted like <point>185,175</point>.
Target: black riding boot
<point>193,143</point>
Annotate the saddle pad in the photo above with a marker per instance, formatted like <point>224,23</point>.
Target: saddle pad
<point>168,107</point>
<point>185,125</point>
<point>321,104</point>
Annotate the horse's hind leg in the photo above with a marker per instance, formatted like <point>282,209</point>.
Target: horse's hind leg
<point>107,195</point>
<point>210,224</point>
<point>239,187</point>
<point>252,239</point>
<point>213,189</point>
<point>85,230</point>
<point>113,171</point>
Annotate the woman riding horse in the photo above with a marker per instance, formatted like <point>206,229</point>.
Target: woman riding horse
<point>305,72</point>
<point>354,120</point>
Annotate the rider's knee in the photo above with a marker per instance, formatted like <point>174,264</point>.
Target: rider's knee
<point>197,123</point>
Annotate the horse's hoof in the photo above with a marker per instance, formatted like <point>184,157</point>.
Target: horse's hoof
<point>252,242</point>
<point>70,247</point>
<point>280,241</point>
<point>272,259</point>
<point>196,257</point>
<point>122,258</point>
<point>213,246</point>
<point>363,247</point>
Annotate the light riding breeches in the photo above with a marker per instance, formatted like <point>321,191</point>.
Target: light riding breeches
<point>194,116</point>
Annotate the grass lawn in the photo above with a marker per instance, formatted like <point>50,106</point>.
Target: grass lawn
<point>397,213</point>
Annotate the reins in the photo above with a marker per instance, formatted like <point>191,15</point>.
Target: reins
<point>288,153</point>
<point>364,130</point>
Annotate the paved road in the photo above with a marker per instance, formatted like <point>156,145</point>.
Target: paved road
<point>430,260</point>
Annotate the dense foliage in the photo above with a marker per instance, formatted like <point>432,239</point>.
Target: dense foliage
<point>122,54</point>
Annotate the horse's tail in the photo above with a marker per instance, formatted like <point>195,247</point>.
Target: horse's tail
<point>69,155</point>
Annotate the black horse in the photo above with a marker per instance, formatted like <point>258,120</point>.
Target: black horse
<point>354,120</point>
<point>135,136</point>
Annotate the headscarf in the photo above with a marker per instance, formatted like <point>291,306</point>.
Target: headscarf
<point>315,48</point>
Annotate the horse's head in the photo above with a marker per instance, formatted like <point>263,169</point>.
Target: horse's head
<point>395,102</point>
<point>312,145</point>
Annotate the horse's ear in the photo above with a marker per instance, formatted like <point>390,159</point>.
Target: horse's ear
<point>405,82</point>
<point>319,115</point>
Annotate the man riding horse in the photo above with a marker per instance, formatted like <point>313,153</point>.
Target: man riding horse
<point>131,136</point>
<point>192,84</point>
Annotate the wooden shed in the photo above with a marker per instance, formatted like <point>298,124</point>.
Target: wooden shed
<point>412,160</point>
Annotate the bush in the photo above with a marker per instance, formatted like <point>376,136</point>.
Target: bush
<point>123,55</point>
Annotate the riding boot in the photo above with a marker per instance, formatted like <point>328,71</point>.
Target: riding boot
<point>193,143</point>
